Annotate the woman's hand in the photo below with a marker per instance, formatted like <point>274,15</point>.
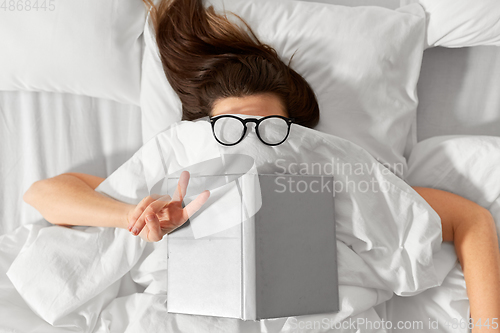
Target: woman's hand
<point>155,216</point>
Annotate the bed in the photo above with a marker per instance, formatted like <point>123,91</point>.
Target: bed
<point>81,127</point>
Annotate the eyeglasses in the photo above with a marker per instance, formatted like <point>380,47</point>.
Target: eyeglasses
<point>229,130</point>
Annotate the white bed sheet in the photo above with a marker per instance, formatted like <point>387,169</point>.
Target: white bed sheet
<point>42,135</point>
<point>45,134</point>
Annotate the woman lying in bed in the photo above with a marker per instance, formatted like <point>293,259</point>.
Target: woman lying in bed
<point>218,68</point>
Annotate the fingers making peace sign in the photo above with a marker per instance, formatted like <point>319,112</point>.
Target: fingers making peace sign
<point>155,216</point>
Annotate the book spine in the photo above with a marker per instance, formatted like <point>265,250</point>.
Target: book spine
<point>248,274</point>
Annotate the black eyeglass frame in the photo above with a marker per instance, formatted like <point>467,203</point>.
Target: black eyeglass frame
<point>245,121</point>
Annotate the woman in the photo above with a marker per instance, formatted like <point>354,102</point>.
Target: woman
<point>216,68</point>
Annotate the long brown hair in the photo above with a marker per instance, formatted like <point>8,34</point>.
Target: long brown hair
<point>206,57</point>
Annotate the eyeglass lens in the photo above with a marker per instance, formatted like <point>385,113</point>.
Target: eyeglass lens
<point>273,130</point>
<point>229,130</point>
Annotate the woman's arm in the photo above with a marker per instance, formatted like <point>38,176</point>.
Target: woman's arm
<point>70,199</point>
<point>472,230</point>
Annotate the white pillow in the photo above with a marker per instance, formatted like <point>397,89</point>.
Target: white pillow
<point>392,4</point>
<point>90,47</point>
<point>160,105</point>
<point>463,164</point>
<point>362,62</point>
<point>461,23</point>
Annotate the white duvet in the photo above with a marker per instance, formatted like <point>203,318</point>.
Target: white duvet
<point>90,279</point>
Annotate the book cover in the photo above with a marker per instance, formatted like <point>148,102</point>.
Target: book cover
<point>271,252</point>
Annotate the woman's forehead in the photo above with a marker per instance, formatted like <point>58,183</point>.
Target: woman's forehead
<point>255,105</point>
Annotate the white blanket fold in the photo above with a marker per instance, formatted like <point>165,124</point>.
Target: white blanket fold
<point>60,269</point>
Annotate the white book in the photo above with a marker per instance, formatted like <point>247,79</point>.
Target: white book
<point>262,247</point>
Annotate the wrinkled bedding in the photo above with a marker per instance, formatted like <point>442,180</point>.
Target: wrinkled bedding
<point>79,278</point>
